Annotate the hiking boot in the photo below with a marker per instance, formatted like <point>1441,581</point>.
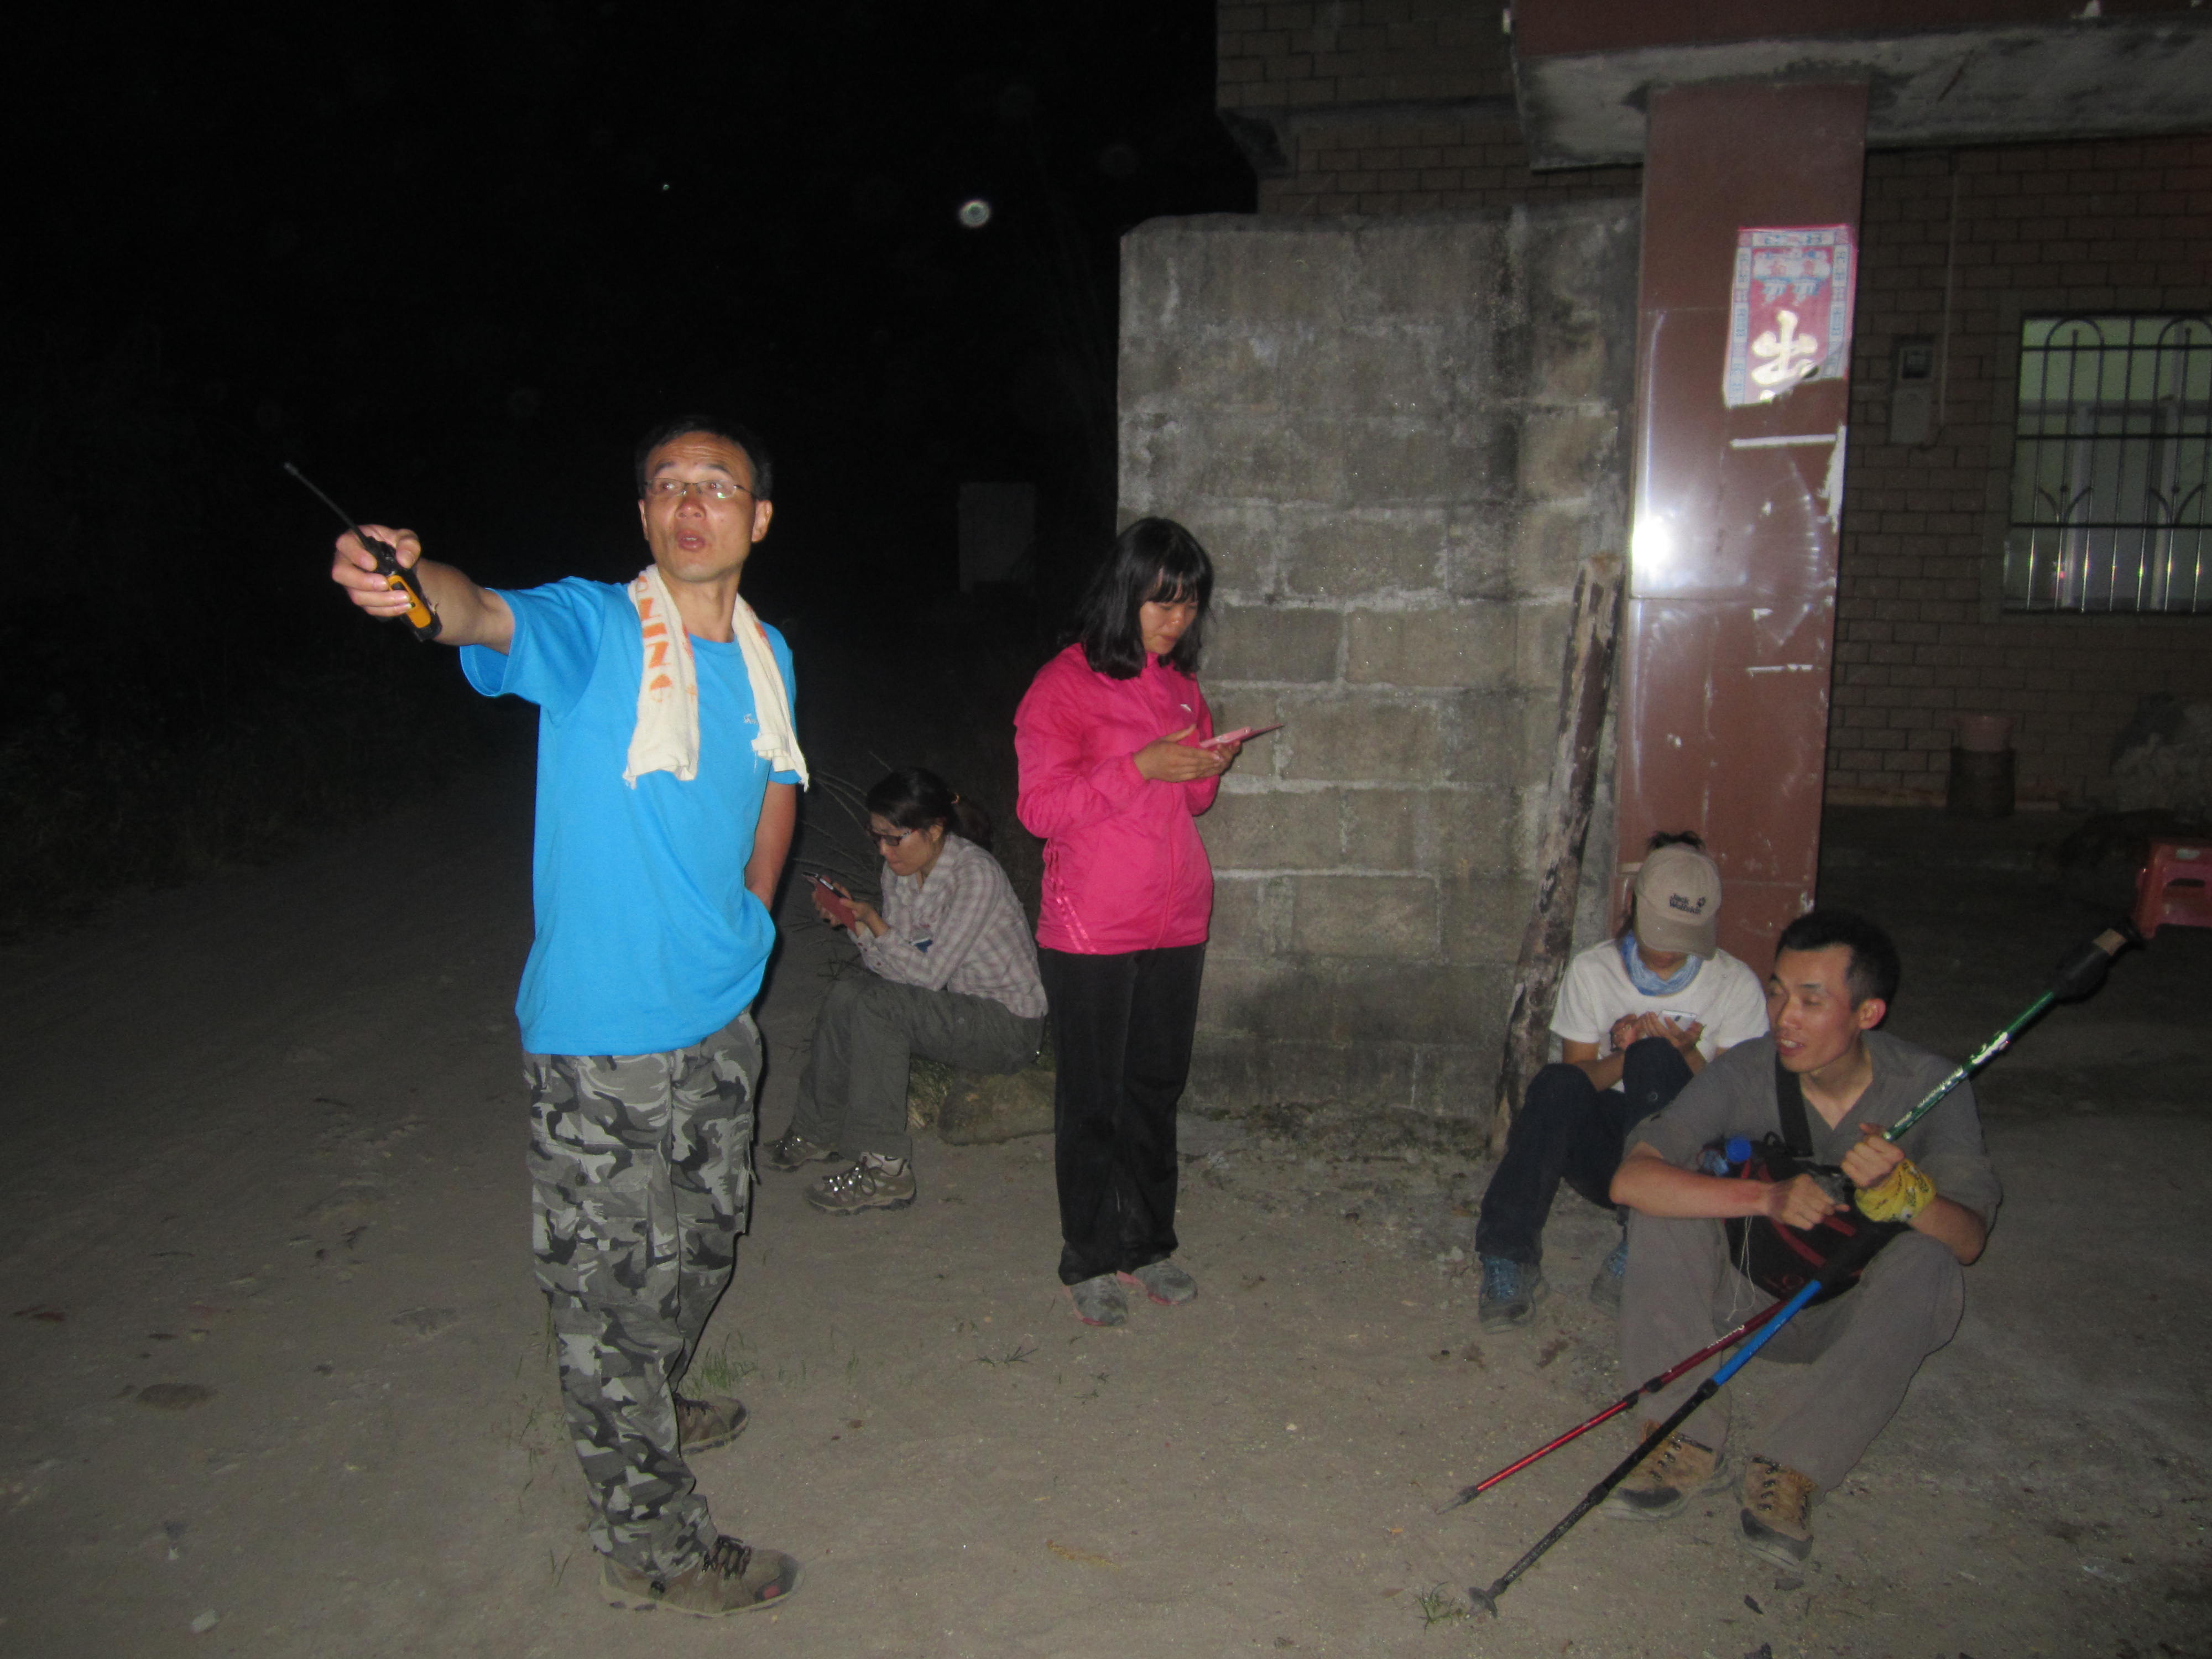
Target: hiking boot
<point>794,1152</point>
<point>703,1425</point>
<point>873,1183</point>
<point>1663,1485</point>
<point>733,1579</point>
<point>1163,1281</point>
<point>1510,1291</point>
<point>1099,1301</point>
<point>1776,1514</point>
<point>1604,1288</point>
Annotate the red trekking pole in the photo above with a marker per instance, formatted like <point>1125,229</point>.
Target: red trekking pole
<point>1468,1494</point>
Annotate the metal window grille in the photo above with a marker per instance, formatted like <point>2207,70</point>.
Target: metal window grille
<point>2110,455</point>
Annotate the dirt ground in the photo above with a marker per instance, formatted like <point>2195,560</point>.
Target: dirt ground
<point>278,1380</point>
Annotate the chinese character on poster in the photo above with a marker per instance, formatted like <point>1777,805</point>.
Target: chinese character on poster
<point>1790,319</point>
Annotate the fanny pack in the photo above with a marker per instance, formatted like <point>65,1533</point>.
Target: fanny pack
<point>1780,1259</point>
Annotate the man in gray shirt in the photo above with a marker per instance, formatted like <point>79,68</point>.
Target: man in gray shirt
<point>1834,974</point>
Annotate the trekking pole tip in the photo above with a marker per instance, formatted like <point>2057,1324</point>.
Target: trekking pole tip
<point>1486,1600</point>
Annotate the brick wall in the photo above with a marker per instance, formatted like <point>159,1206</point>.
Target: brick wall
<point>1387,107</point>
<point>1358,51</point>
<point>1399,440</point>
<point>2118,225</point>
<point>1374,164</point>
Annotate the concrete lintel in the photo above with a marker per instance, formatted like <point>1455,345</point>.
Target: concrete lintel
<point>2094,78</point>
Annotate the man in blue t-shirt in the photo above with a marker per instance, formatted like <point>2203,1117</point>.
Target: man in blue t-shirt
<point>668,778</point>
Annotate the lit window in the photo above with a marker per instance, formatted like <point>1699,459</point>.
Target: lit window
<point>2110,464</point>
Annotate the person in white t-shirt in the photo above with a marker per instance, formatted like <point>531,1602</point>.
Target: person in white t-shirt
<point>1637,1017</point>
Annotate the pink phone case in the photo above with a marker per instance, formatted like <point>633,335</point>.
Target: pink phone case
<point>1242,734</point>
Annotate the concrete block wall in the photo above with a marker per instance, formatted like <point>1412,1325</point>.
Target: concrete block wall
<point>1389,108</point>
<point>1399,439</point>
<point>2018,230</point>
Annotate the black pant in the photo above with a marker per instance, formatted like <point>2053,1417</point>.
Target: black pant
<point>1122,1030</point>
<point>1567,1130</point>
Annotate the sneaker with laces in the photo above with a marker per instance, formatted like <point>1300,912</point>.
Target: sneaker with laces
<point>735,1578</point>
<point>873,1183</point>
<point>703,1425</point>
<point>794,1152</point>
<point>1099,1301</point>
<point>1510,1291</point>
<point>1163,1281</point>
<point>1776,1513</point>
<point>1663,1485</point>
<point>1604,1288</point>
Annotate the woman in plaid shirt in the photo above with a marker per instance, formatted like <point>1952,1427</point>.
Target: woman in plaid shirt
<point>953,976</point>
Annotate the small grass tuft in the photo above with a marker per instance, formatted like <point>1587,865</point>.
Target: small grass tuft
<point>721,1371</point>
<point>1439,1607</point>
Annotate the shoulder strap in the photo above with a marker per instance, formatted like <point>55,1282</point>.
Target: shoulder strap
<point>1790,1107</point>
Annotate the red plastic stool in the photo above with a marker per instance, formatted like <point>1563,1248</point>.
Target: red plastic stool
<point>2174,886</point>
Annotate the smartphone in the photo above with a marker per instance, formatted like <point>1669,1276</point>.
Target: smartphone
<point>1681,1017</point>
<point>832,902</point>
<point>1242,734</point>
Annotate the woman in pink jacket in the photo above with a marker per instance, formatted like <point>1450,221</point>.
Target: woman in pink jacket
<point>1115,765</point>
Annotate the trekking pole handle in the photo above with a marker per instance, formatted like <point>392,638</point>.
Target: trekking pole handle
<point>2079,974</point>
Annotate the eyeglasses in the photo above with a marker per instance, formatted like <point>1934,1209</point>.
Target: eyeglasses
<point>675,489</point>
<point>890,843</point>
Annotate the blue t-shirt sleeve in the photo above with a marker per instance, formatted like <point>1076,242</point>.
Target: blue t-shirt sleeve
<point>783,654</point>
<point>556,641</point>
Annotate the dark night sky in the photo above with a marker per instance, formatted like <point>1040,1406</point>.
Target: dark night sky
<point>452,267</point>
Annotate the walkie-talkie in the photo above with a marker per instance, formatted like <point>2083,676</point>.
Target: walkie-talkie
<point>397,577</point>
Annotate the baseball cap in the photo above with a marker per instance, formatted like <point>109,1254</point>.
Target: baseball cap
<point>1677,902</point>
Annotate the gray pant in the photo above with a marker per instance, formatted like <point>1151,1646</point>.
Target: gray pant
<point>852,1095</point>
<point>640,1181</point>
<point>1860,1350</point>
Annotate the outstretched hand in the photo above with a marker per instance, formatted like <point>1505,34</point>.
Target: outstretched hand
<point>466,614</point>
<point>353,568</point>
<point>1170,759</point>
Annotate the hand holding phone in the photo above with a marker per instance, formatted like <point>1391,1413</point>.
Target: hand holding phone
<point>1242,734</point>
<point>831,902</point>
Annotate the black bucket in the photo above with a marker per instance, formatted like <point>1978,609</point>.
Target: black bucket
<point>1981,784</point>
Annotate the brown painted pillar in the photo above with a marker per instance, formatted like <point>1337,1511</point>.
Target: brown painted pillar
<point>1730,621</point>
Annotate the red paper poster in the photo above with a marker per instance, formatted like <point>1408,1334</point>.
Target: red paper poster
<point>1790,319</point>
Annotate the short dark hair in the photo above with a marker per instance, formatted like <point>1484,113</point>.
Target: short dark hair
<point>914,798</point>
<point>714,426</point>
<point>1874,969</point>
<point>1153,559</point>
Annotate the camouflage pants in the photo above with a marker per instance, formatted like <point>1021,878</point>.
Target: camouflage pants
<point>641,1177</point>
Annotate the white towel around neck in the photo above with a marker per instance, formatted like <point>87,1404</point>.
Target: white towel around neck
<point>666,735</point>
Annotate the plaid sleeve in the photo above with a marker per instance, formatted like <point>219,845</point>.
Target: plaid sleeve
<point>951,931</point>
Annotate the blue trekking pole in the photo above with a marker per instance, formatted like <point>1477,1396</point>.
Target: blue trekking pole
<point>2078,975</point>
<point>1854,1255</point>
